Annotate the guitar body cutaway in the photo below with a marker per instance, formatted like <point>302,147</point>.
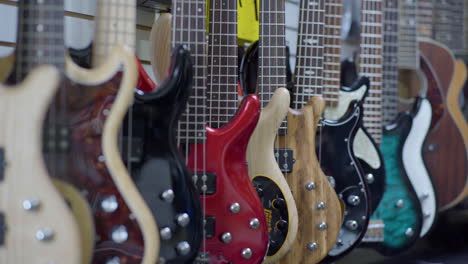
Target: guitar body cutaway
<point>399,209</point>
<point>320,212</point>
<point>234,206</point>
<point>269,180</point>
<point>444,150</point>
<point>81,149</point>
<point>162,168</point>
<point>30,202</point>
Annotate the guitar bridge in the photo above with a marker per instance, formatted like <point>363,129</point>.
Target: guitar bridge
<point>375,232</point>
<point>2,164</point>
<point>3,229</point>
<point>285,159</point>
<point>205,182</point>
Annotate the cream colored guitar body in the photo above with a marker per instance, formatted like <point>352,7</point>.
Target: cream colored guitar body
<point>262,162</point>
<point>23,109</point>
<point>161,46</point>
<point>121,57</point>
<point>319,223</point>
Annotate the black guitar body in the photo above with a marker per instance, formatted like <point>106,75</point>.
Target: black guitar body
<point>158,168</point>
<point>375,177</point>
<point>334,147</point>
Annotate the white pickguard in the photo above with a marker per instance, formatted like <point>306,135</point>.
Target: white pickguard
<point>415,168</point>
<point>362,145</point>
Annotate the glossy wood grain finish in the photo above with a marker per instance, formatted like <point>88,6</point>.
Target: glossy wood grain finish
<point>444,150</point>
<point>319,226</point>
<point>224,151</point>
<point>262,162</point>
<point>87,114</point>
<point>162,167</point>
<point>25,177</point>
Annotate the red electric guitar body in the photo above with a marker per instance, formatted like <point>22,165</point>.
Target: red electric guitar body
<point>224,151</point>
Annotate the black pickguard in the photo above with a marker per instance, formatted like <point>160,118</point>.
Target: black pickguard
<point>334,146</point>
<point>159,166</point>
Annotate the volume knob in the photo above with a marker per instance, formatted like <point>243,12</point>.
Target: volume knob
<point>279,203</point>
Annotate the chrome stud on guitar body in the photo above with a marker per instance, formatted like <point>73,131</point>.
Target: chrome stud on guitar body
<point>31,205</point>
<point>247,253</point>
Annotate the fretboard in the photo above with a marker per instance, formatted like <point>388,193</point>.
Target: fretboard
<point>371,64</point>
<point>115,24</point>
<point>425,17</point>
<point>448,24</point>
<point>40,37</point>
<point>332,51</point>
<point>309,58</point>
<point>222,62</point>
<point>408,53</point>
<point>189,29</point>
<point>391,60</point>
<point>272,49</point>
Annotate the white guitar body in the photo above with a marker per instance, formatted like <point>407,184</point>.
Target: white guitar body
<point>362,145</point>
<point>415,168</point>
<point>262,162</point>
<point>39,226</point>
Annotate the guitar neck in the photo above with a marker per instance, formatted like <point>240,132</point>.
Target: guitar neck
<point>332,51</point>
<point>448,24</point>
<point>391,57</point>
<point>408,51</point>
<point>309,59</point>
<point>371,64</point>
<point>222,62</point>
<point>189,29</point>
<point>40,37</point>
<point>425,17</point>
<point>272,49</point>
<point>115,24</point>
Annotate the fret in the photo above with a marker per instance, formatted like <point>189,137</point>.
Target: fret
<point>222,70</point>
<point>115,24</point>
<point>448,23</point>
<point>189,24</point>
<point>425,17</point>
<point>310,49</point>
<point>40,38</point>
<point>272,49</point>
<point>371,59</point>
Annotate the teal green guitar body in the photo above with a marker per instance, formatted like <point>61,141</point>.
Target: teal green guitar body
<point>399,208</point>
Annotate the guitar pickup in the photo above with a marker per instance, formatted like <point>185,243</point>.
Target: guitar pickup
<point>2,164</point>
<point>3,229</point>
<point>285,159</point>
<point>210,224</point>
<point>135,144</point>
<point>205,182</point>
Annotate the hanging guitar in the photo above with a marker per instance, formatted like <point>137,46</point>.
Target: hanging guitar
<point>396,224</point>
<point>295,142</point>
<point>214,147</point>
<point>81,135</point>
<point>447,140</point>
<point>30,202</point>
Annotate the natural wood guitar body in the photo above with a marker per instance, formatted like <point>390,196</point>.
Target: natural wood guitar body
<point>120,57</point>
<point>160,39</point>
<point>310,186</point>
<point>262,162</point>
<point>444,151</point>
<point>23,109</point>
